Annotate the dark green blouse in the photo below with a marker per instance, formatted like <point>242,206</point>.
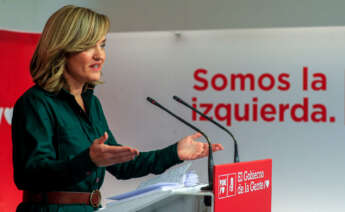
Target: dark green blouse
<point>51,136</point>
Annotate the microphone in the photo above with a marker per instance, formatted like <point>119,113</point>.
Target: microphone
<point>210,153</point>
<point>236,156</point>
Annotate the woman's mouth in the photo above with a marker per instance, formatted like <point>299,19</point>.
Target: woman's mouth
<point>96,67</point>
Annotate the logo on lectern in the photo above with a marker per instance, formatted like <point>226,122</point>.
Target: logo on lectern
<point>242,182</point>
<point>226,186</point>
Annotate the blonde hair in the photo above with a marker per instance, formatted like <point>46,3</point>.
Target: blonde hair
<point>69,30</point>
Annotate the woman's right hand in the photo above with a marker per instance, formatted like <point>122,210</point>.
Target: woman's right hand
<point>105,155</point>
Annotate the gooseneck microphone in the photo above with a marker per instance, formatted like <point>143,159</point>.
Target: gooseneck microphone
<point>210,154</point>
<point>236,156</point>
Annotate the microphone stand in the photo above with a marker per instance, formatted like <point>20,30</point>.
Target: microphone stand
<point>210,153</point>
<point>236,156</point>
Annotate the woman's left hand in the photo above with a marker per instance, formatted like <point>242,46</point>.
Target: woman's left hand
<point>190,149</point>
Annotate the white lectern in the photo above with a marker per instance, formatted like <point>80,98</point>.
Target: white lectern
<point>174,200</point>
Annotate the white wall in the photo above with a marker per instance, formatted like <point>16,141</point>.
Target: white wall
<point>147,15</point>
<point>307,156</point>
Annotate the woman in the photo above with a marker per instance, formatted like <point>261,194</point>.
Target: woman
<point>62,144</point>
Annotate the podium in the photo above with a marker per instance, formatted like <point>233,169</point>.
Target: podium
<point>180,199</point>
<point>239,187</point>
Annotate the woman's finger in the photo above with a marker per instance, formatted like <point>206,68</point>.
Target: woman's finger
<point>196,136</point>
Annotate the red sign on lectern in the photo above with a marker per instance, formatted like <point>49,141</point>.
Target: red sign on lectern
<point>243,187</point>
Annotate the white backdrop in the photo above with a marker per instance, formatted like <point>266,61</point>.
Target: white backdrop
<point>308,159</point>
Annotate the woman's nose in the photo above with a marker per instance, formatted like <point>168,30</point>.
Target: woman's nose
<point>99,54</point>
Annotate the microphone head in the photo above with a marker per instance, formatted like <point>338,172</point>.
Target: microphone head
<point>177,98</point>
<point>150,100</point>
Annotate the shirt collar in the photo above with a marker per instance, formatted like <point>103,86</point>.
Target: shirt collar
<point>65,93</point>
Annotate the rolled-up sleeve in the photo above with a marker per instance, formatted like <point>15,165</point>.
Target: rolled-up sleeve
<point>154,162</point>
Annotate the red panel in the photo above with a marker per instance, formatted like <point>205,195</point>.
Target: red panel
<point>15,55</point>
<point>243,187</point>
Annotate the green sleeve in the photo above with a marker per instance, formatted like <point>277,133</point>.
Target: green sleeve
<point>154,162</point>
<point>35,159</point>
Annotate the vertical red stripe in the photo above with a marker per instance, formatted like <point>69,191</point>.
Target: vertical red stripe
<point>16,51</point>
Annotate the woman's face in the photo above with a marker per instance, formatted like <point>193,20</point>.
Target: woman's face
<point>85,66</point>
